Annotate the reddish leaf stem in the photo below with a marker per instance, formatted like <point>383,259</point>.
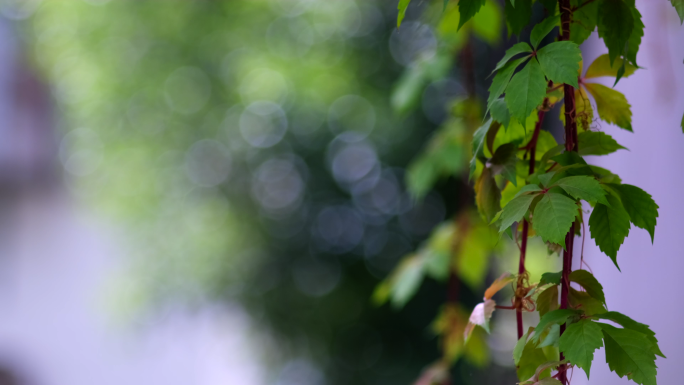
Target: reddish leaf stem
<point>532,146</point>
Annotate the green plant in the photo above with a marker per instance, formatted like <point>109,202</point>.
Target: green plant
<point>527,185</point>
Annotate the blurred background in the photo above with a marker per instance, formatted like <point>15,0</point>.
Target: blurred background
<point>209,192</point>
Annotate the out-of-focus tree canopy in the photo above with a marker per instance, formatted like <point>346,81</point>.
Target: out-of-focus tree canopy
<point>253,152</point>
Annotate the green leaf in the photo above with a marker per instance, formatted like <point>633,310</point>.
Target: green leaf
<point>475,249</point>
<point>559,317</point>
<point>553,216</point>
<point>602,67</point>
<point>584,20</point>
<point>612,105</point>
<point>487,195</point>
<point>569,158</point>
<point>478,144</point>
<point>446,2</point>
<point>579,341</point>
<point>597,143</point>
<point>499,112</point>
<point>520,346</point>
<point>505,159</point>
<point>554,278</point>
<point>532,357</point>
<point>552,336</point>
<point>403,4</point>
<point>515,210</point>
<point>615,26</point>
<point>528,188</point>
<point>501,80</point>
<point>547,300</point>
<point>626,356</point>
<point>526,91</point>
<point>634,40</point>
<point>468,9</point>
<point>629,323</point>
<point>583,187</point>
<point>679,6</point>
<point>589,283</point>
<point>609,226</point>
<point>406,281</point>
<point>542,29</point>
<point>642,209</point>
<point>682,123</point>
<point>560,62</point>
<point>516,49</point>
<point>583,301</point>
<point>519,16</point>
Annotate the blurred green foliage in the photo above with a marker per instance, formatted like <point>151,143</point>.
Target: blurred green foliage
<point>253,153</point>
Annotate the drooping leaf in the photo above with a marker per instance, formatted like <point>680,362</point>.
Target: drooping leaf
<point>584,20</point>
<point>642,209</point>
<point>406,281</point>
<point>589,283</point>
<point>542,29</point>
<point>559,316</point>
<point>520,346</point>
<point>499,112</point>
<point>634,40</point>
<point>552,336</point>
<point>579,342</point>
<point>547,300</point>
<point>560,62</point>
<point>504,161</point>
<point>609,226</point>
<point>583,301</point>
<point>487,195</point>
<point>612,105</point>
<point>468,9</point>
<point>532,357</point>
<point>498,284</point>
<point>516,49</point>
<point>526,91</point>
<point>518,16</point>
<point>615,26</point>
<point>403,4</point>
<point>475,248</point>
<point>679,6</point>
<point>597,143</point>
<point>480,316</point>
<point>502,79</point>
<point>515,210</point>
<point>478,144</point>
<point>626,356</point>
<point>682,123</point>
<point>583,187</point>
<point>553,216</point>
<point>629,323</point>
<point>602,67</point>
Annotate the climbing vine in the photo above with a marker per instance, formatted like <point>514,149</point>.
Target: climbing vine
<point>527,185</point>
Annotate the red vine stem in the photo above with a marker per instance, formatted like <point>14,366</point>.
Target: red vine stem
<point>532,146</point>
<point>570,145</point>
